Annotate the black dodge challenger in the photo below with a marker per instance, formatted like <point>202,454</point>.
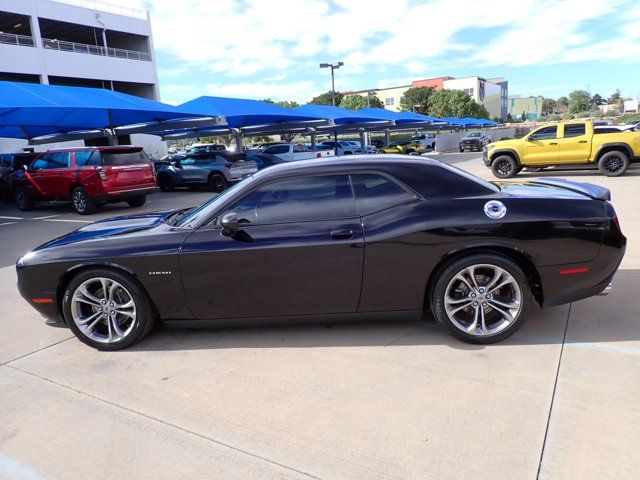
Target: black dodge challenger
<point>365,237</point>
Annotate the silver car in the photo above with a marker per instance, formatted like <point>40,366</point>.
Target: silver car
<point>215,170</point>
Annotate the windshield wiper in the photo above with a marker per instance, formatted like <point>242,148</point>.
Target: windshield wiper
<point>173,218</point>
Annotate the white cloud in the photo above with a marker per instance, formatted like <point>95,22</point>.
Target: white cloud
<point>297,91</point>
<point>237,41</point>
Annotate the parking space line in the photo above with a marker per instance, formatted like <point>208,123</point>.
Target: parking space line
<point>7,223</point>
<point>10,218</point>
<point>44,218</point>
<point>66,220</point>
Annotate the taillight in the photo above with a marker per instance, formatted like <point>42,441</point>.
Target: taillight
<point>318,155</point>
<point>101,173</point>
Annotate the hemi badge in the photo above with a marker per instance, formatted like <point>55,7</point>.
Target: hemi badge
<point>571,271</point>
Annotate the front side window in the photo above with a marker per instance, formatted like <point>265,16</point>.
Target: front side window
<point>376,192</point>
<point>59,160</point>
<point>298,200</point>
<point>546,133</point>
<point>42,163</point>
<point>574,130</point>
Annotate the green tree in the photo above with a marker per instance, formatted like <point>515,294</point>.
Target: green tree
<point>523,117</point>
<point>455,103</point>
<point>562,103</point>
<point>282,103</point>
<point>325,99</point>
<point>616,97</point>
<point>417,99</point>
<point>579,101</point>
<point>597,100</point>
<point>548,106</point>
<point>356,102</point>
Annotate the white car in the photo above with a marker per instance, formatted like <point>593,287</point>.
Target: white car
<point>296,151</point>
<point>428,140</point>
<point>367,148</point>
<point>345,147</point>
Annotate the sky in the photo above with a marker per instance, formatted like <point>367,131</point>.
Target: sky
<point>272,48</point>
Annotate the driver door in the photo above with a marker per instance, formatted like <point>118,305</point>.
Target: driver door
<point>299,250</point>
<point>541,147</point>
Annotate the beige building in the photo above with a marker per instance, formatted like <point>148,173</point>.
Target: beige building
<point>492,92</point>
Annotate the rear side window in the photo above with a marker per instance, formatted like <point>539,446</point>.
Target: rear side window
<point>124,158</point>
<point>88,158</point>
<point>574,130</point>
<point>59,160</point>
<point>376,192</point>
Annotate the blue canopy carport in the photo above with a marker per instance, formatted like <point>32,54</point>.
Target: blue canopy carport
<point>31,111</point>
<point>344,120</point>
<point>478,122</point>
<point>405,121</point>
<point>245,117</point>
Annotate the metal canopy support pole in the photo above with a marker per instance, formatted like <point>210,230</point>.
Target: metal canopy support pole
<point>387,137</point>
<point>363,139</point>
<point>312,133</point>
<point>237,134</point>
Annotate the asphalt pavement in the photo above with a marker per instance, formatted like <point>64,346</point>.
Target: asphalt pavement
<point>558,400</point>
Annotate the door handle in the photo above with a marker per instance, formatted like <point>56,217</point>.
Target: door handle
<point>342,234</point>
<point>553,143</point>
<point>582,141</point>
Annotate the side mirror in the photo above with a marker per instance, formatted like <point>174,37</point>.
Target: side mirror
<point>230,224</point>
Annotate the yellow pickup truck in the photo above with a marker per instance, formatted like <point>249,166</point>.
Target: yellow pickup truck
<point>564,145</point>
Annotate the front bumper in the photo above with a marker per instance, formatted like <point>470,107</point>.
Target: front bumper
<point>485,157</point>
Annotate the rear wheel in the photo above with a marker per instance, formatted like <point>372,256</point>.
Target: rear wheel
<point>23,202</point>
<point>107,310</point>
<point>504,166</point>
<point>82,203</point>
<point>613,164</point>
<point>165,183</point>
<point>461,150</point>
<point>137,201</point>
<point>217,183</point>
<point>482,298</point>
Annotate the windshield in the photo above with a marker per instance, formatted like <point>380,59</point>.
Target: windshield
<point>202,211</point>
<point>474,135</point>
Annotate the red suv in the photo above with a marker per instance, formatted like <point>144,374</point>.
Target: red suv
<point>88,177</point>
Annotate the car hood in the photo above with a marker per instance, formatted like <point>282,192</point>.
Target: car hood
<point>109,227</point>
<point>513,143</point>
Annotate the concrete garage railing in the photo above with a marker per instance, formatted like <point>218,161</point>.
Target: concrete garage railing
<point>20,40</point>
<point>95,50</point>
<point>448,142</point>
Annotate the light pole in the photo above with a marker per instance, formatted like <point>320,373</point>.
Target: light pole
<point>333,66</point>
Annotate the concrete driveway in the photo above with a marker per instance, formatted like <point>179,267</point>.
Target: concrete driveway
<point>558,400</point>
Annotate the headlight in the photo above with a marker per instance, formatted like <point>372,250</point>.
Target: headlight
<point>25,257</point>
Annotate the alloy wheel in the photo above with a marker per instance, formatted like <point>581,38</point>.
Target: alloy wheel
<point>504,167</point>
<point>483,300</point>
<point>103,310</point>
<point>80,201</point>
<point>613,163</point>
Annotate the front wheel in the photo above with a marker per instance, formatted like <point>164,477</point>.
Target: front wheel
<point>82,203</point>
<point>482,298</point>
<point>613,164</point>
<point>138,201</point>
<point>165,183</point>
<point>462,150</point>
<point>107,310</point>
<point>504,166</point>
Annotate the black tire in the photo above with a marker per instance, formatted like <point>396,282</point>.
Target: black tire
<point>461,150</point>
<point>217,183</point>
<point>504,166</point>
<point>138,201</point>
<point>23,201</point>
<point>165,183</point>
<point>613,163</point>
<point>82,202</point>
<point>144,309</point>
<point>447,274</point>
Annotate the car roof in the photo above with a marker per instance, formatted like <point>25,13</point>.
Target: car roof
<point>111,148</point>
<point>370,161</point>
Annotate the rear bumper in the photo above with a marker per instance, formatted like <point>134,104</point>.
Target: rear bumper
<point>124,195</point>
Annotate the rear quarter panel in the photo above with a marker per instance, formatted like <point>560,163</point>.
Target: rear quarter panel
<point>632,139</point>
<point>404,244</point>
